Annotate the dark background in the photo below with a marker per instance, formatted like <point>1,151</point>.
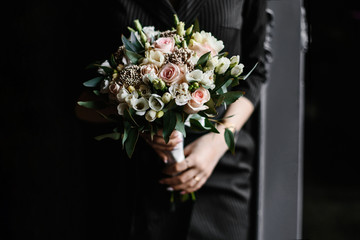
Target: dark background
<point>55,188</point>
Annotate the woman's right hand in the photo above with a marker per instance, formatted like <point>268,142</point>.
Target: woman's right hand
<point>160,146</point>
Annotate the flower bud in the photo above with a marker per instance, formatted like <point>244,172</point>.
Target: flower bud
<point>138,25</point>
<point>120,67</point>
<point>166,97</point>
<point>143,37</point>
<point>159,114</point>
<point>115,75</point>
<point>180,29</point>
<point>237,70</point>
<point>189,30</point>
<point>150,115</point>
<point>234,60</point>
<point>147,45</point>
<point>131,89</point>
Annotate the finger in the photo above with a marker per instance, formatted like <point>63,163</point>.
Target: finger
<point>161,147</point>
<point>179,179</point>
<point>196,186</point>
<point>187,150</point>
<point>172,142</point>
<point>175,168</point>
<point>162,155</point>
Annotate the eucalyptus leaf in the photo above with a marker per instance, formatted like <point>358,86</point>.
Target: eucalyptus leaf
<point>229,139</point>
<point>209,125</point>
<point>248,74</point>
<point>115,136</point>
<point>180,126</point>
<point>232,96</point>
<point>128,45</point>
<point>93,82</point>
<point>203,59</point>
<point>131,141</point>
<point>136,43</point>
<point>169,123</point>
<point>92,104</point>
<point>133,56</point>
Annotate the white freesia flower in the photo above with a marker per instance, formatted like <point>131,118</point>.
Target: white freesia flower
<point>211,63</point>
<point>104,64</point>
<point>195,75</point>
<point>234,60</point>
<point>237,70</point>
<point>150,115</point>
<point>131,97</point>
<point>104,88</point>
<point>145,91</point>
<point>181,93</point>
<point>208,80</point>
<point>121,96</point>
<point>223,65</point>
<point>155,57</point>
<point>140,105</point>
<point>156,103</point>
<point>121,108</point>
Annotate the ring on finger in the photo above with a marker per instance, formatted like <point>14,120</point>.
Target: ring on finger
<point>196,178</point>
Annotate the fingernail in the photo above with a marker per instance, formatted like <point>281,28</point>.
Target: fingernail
<point>183,192</point>
<point>170,189</point>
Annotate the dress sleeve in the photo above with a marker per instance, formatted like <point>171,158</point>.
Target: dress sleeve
<point>252,48</point>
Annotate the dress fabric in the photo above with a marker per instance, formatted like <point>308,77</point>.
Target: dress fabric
<point>221,209</point>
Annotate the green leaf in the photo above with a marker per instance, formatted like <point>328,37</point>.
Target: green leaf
<point>136,43</point>
<point>128,116</point>
<point>112,61</point>
<point>196,26</point>
<point>169,123</point>
<point>128,45</point>
<point>127,128</point>
<point>232,96</point>
<point>133,56</point>
<point>130,143</point>
<point>171,105</point>
<point>115,136</point>
<point>93,82</point>
<point>196,125</point>
<point>92,104</point>
<point>180,126</point>
<point>203,59</point>
<point>247,75</point>
<point>229,139</point>
<point>210,126</point>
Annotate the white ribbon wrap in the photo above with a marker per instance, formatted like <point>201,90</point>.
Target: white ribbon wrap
<point>177,154</point>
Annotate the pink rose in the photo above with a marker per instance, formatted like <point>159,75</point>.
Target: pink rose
<point>165,44</point>
<point>201,49</point>
<point>148,68</point>
<point>198,98</point>
<point>114,88</point>
<point>171,73</point>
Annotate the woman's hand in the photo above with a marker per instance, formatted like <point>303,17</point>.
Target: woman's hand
<point>202,155</point>
<point>160,146</point>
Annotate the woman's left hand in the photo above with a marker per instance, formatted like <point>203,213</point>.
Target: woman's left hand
<point>202,155</point>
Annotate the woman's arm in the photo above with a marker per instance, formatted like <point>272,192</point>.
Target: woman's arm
<point>203,154</point>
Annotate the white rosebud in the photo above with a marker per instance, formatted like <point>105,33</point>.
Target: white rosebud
<point>223,65</point>
<point>121,108</point>
<point>195,75</point>
<point>150,115</point>
<point>121,96</point>
<point>140,105</point>
<point>166,97</point>
<point>156,103</point>
<point>234,60</point>
<point>104,64</point>
<point>237,70</point>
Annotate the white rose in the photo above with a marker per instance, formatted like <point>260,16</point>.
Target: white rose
<point>181,93</point>
<point>150,115</point>
<point>156,103</point>
<point>223,65</point>
<point>121,108</point>
<point>195,75</point>
<point>237,70</point>
<point>203,42</point>
<point>155,57</point>
<point>140,105</point>
<point>150,31</point>
<point>208,80</point>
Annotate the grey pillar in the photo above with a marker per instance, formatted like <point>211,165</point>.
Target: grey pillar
<point>281,135</point>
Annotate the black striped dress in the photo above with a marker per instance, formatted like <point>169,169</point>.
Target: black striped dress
<point>221,210</point>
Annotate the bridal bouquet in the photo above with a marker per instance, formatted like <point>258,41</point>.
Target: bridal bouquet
<point>165,80</point>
